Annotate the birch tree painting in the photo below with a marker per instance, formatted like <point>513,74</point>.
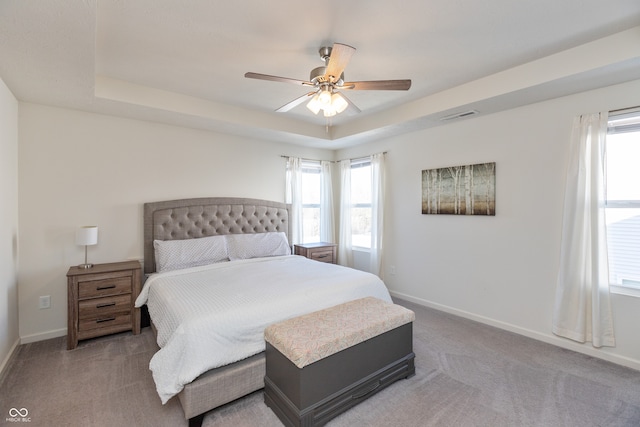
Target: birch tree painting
<point>460,190</point>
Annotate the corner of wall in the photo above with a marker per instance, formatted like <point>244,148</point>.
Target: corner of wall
<point>9,330</point>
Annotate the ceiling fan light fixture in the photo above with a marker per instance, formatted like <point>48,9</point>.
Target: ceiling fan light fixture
<point>331,103</point>
<point>325,98</point>
<point>330,111</point>
<point>314,105</point>
<point>338,102</point>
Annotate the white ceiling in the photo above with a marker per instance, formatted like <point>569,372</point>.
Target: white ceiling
<point>183,62</point>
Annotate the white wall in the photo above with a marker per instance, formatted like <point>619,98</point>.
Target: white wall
<point>9,221</point>
<point>79,168</point>
<point>86,169</point>
<point>500,270</point>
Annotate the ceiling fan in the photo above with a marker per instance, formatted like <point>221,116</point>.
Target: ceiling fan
<point>327,82</point>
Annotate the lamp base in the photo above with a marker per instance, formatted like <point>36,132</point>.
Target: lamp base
<point>85,266</point>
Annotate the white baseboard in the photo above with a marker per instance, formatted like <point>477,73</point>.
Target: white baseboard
<point>547,338</point>
<point>43,336</point>
<point>6,360</point>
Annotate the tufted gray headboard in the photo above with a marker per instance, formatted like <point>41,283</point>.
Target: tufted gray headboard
<point>201,217</point>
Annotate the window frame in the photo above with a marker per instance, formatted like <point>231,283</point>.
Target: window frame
<point>625,121</point>
<point>357,164</point>
<point>310,167</point>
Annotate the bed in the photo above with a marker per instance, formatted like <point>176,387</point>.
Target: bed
<point>228,362</point>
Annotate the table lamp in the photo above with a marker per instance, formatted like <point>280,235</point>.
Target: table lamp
<point>86,235</point>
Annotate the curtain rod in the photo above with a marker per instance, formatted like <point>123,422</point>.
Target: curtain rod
<point>310,160</point>
<point>624,109</point>
<point>332,161</point>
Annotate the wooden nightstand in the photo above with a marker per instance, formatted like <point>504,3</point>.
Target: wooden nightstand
<point>322,251</point>
<point>100,300</point>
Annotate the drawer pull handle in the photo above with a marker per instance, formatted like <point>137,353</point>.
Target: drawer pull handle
<point>102,288</point>
<point>322,256</point>
<point>108,319</point>
<point>358,396</point>
<point>109,304</point>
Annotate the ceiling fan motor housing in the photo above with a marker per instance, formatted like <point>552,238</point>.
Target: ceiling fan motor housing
<point>317,77</point>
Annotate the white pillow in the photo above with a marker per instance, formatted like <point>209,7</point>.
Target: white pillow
<point>178,254</point>
<point>244,246</point>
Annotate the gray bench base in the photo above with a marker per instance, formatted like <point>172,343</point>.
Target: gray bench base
<point>315,394</point>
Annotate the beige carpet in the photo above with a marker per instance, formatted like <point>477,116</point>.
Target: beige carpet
<point>467,374</point>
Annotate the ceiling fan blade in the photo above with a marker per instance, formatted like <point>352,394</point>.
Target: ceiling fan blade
<point>379,85</point>
<point>352,108</point>
<point>288,106</point>
<point>277,79</point>
<point>340,56</point>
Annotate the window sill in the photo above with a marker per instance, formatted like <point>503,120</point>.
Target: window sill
<point>624,290</point>
<point>367,250</point>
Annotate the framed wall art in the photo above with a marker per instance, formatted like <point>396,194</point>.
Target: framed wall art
<point>460,190</point>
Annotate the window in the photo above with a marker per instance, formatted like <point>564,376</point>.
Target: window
<point>623,198</point>
<point>311,185</point>
<point>309,190</point>
<point>361,203</point>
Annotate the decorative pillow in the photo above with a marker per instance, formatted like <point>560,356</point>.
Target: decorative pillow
<point>244,246</point>
<point>178,254</point>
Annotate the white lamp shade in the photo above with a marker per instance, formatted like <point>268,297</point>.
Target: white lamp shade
<point>324,98</point>
<point>329,111</point>
<point>87,235</point>
<point>330,103</point>
<point>339,103</point>
<point>314,105</point>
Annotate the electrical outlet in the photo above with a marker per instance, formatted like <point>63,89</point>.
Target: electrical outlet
<point>45,301</point>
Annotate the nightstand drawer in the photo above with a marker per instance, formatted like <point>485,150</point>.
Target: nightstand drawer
<point>106,321</point>
<point>105,287</point>
<point>321,255</point>
<point>99,307</point>
<point>100,300</point>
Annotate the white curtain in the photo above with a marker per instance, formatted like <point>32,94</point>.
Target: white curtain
<point>377,210</point>
<point>294,197</point>
<point>345,251</point>
<point>327,227</point>
<point>582,308</point>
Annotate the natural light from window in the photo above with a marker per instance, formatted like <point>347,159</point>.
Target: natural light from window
<point>310,202</point>
<point>361,204</point>
<point>623,200</point>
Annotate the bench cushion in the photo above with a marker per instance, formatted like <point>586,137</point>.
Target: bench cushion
<point>314,336</point>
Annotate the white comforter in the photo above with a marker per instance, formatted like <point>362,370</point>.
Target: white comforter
<point>214,315</point>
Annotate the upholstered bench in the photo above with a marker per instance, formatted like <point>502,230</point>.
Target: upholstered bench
<point>321,364</point>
